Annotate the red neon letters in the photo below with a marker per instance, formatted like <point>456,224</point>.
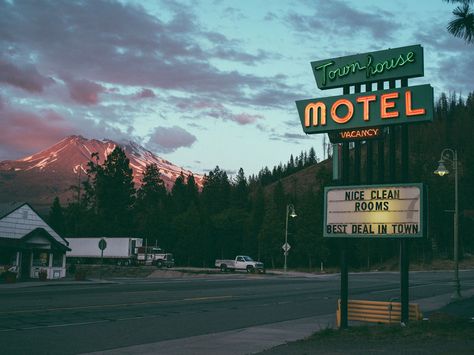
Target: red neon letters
<point>389,105</point>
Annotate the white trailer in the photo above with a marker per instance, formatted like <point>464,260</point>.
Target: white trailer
<point>121,250</point>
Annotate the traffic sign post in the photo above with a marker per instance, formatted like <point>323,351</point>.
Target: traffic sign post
<point>102,246</point>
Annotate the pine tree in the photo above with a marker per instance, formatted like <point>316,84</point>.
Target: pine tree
<point>240,195</point>
<point>216,191</point>
<point>179,195</point>
<point>56,217</point>
<point>150,206</point>
<point>312,156</point>
<point>114,192</point>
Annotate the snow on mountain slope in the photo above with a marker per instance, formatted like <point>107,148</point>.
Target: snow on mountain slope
<point>53,170</point>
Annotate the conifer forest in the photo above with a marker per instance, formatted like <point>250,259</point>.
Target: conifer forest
<point>247,214</point>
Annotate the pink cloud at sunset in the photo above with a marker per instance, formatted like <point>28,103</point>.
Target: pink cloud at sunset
<point>26,77</point>
<point>85,92</point>
<point>145,94</point>
<point>23,132</point>
<point>168,139</point>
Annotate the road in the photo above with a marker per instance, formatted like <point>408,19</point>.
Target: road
<point>81,318</point>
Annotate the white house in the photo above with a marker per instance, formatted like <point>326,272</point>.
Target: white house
<point>28,244</point>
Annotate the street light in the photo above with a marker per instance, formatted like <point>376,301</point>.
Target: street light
<point>290,210</point>
<point>441,171</point>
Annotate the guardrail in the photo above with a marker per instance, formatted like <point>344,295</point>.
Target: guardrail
<point>377,311</point>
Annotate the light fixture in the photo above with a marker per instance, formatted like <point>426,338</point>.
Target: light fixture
<point>441,171</point>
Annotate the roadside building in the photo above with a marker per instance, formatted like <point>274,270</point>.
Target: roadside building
<point>28,245</point>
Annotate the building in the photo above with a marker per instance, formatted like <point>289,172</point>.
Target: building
<point>28,244</point>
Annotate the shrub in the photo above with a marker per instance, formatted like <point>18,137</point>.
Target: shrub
<point>80,275</point>
<point>43,274</point>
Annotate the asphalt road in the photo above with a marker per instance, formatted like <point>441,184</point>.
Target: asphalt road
<point>77,318</point>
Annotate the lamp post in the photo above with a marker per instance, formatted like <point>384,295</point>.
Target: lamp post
<point>290,210</point>
<point>441,171</point>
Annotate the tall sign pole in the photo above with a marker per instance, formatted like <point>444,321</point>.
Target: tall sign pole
<point>404,256</point>
<point>102,246</point>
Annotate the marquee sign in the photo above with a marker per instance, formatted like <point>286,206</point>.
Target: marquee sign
<point>396,63</point>
<point>363,110</point>
<point>374,211</point>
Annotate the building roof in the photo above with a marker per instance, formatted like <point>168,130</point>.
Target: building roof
<point>9,207</point>
<point>18,219</point>
<point>27,243</point>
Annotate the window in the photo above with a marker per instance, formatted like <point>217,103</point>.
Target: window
<point>57,259</point>
<point>7,257</point>
<point>40,258</point>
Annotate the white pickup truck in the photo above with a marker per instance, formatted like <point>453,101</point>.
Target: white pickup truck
<point>241,262</point>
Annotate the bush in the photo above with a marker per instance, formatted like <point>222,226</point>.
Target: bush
<point>80,275</point>
<point>9,276</point>
<point>43,274</point>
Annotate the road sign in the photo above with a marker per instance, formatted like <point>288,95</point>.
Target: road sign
<point>286,247</point>
<point>102,244</point>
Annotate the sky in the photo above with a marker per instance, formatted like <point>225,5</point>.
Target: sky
<point>200,83</point>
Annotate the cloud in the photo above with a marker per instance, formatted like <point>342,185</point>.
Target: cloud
<point>169,139</point>
<point>25,77</point>
<point>214,109</point>
<point>290,137</point>
<point>85,92</point>
<point>145,94</point>
<point>25,132</point>
<point>340,18</point>
<point>245,118</point>
<point>450,59</point>
<point>120,44</point>
<point>270,16</point>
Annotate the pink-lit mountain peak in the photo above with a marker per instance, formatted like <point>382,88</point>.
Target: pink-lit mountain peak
<point>71,155</point>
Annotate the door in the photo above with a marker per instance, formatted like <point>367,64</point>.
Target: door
<point>240,263</point>
<point>25,264</point>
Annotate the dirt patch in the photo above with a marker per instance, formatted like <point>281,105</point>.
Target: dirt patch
<point>165,273</point>
<point>110,271</point>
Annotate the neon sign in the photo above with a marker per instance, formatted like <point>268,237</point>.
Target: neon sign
<point>364,110</point>
<point>403,62</point>
<point>357,134</point>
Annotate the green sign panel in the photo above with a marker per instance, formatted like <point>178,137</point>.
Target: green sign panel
<point>370,109</point>
<point>102,244</point>
<point>374,211</point>
<point>396,63</point>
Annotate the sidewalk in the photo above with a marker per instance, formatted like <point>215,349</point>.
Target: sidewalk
<point>59,282</point>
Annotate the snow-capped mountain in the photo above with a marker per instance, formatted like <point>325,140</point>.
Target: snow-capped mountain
<point>40,177</point>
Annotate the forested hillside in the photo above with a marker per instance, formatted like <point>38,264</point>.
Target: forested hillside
<point>247,215</point>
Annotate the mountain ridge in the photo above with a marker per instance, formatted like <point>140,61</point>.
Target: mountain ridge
<point>35,178</point>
